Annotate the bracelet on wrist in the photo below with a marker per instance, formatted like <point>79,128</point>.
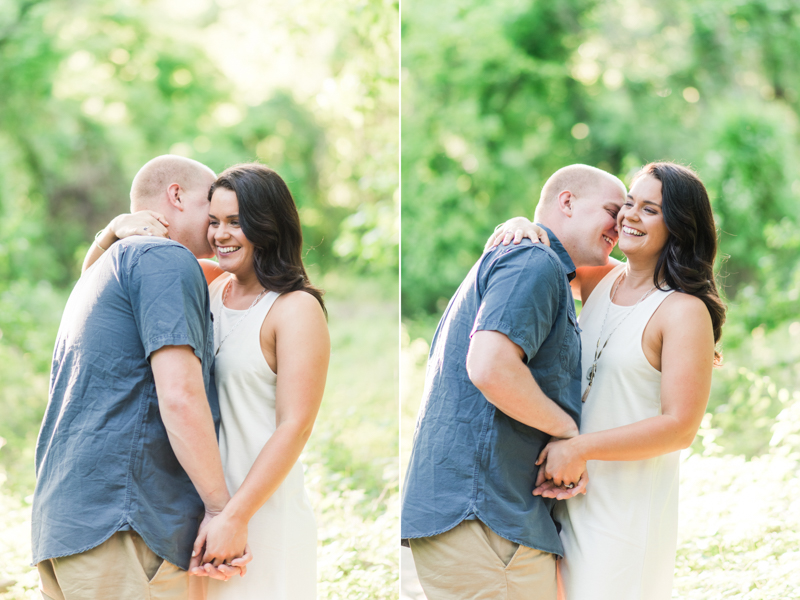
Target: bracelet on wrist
<point>97,235</point>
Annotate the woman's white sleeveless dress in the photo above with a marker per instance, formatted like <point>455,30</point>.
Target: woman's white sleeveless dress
<point>283,533</point>
<point>620,538</point>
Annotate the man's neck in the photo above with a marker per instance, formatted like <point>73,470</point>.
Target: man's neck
<point>556,228</point>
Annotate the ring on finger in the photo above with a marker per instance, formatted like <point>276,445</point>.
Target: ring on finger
<point>570,486</point>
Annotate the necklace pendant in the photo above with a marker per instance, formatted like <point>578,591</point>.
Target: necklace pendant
<point>586,393</point>
<point>590,378</point>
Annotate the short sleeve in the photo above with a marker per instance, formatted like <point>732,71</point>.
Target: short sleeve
<point>520,297</point>
<point>168,296</point>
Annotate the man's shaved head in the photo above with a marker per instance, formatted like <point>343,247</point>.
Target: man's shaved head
<point>149,187</point>
<point>578,179</point>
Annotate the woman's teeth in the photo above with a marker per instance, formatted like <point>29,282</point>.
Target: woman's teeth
<point>630,231</point>
<point>227,249</point>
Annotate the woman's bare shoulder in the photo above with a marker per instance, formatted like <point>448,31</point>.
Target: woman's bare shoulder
<point>297,310</point>
<point>685,310</point>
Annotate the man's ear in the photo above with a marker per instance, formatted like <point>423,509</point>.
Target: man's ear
<point>565,201</point>
<point>174,193</point>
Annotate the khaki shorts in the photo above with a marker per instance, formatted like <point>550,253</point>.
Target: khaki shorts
<point>472,562</point>
<point>122,568</point>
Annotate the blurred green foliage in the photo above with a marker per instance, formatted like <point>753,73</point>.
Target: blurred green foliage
<point>497,96</point>
<point>91,90</point>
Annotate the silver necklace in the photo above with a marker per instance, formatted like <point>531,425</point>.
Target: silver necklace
<point>242,318</point>
<point>598,352</point>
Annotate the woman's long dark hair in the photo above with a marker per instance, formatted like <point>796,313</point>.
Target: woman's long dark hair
<point>687,261</point>
<point>269,220</point>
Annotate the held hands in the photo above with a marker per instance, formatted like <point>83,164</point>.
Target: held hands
<point>560,465</point>
<point>515,229</point>
<point>220,550</point>
<point>143,222</point>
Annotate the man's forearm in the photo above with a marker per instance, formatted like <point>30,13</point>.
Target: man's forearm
<point>190,428</point>
<point>519,396</point>
<point>187,418</point>
<point>495,366</point>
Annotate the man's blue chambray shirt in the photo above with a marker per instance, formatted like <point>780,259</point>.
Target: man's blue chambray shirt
<point>470,460</point>
<point>103,459</point>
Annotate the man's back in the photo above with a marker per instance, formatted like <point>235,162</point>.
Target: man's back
<point>103,459</point>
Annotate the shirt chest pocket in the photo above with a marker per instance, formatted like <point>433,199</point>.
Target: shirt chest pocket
<point>571,346</point>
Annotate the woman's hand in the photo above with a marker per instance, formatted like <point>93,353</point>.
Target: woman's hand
<point>221,547</point>
<point>515,229</point>
<point>143,222</point>
<point>561,462</point>
<point>238,566</point>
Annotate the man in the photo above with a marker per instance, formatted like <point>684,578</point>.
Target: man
<point>127,460</point>
<point>503,376</point>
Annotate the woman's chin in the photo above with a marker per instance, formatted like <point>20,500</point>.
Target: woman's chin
<point>638,252</point>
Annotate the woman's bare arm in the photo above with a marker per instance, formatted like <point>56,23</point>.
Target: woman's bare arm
<point>144,222</point>
<point>587,278</point>
<point>295,335</point>
<point>687,357</point>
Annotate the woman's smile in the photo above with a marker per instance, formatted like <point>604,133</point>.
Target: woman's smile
<point>627,229</point>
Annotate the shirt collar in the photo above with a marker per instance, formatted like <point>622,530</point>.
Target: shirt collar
<point>558,248</point>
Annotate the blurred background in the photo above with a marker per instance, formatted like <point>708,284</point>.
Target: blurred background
<point>498,95</point>
<point>90,91</point>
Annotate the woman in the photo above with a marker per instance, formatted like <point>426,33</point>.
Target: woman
<point>650,326</point>
<point>272,349</point>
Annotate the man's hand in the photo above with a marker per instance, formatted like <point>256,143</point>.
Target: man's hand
<point>548,489</point>
<point>561,462</point>
<point>514,230</point>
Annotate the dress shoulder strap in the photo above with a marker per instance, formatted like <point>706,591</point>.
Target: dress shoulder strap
<point>215,289</point>
<point>602,291</point>
<point>261,309</point>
